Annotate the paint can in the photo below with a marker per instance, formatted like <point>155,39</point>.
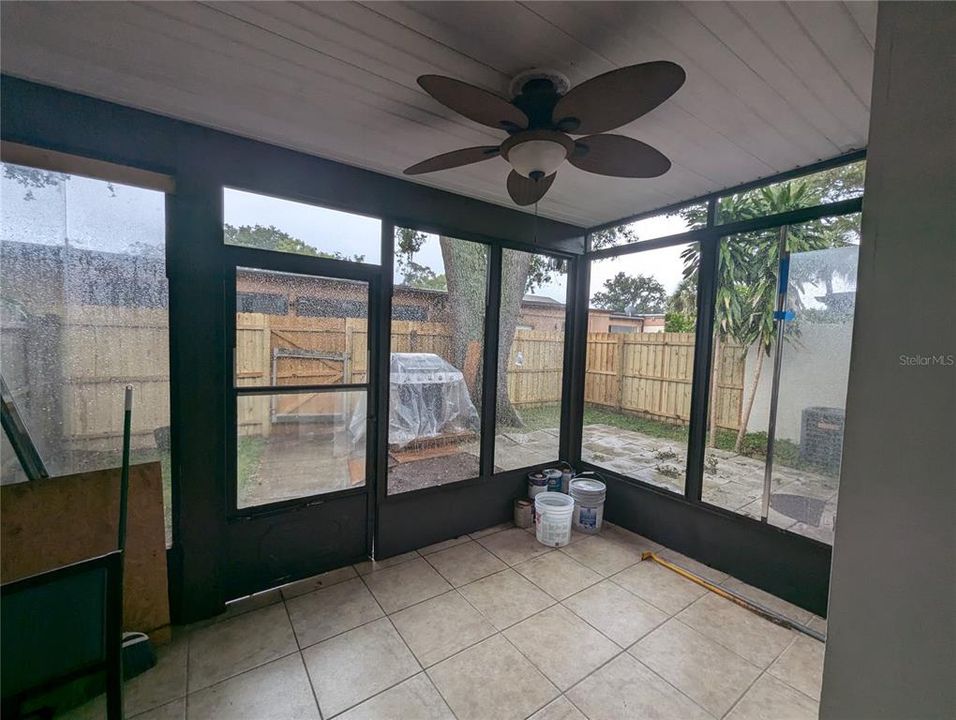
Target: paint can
<point>566,475</point>
<point>523,513</point>
<point>554,476</point>
<point>537,483</point>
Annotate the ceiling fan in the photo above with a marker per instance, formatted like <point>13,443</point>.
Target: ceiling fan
<point>543,115</point>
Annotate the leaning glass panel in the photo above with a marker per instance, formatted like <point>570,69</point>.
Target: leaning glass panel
<point>287,226</point>
<point>640,360</point>
<point>295,445</point>
<point>531,352</point>
<point>84,312</point>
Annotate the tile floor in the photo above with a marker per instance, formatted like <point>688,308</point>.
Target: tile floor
<point>489,626</point>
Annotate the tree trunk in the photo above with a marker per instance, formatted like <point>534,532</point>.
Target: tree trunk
<point>745,420</point>
<point>514,280</point>
<point>466,269</point>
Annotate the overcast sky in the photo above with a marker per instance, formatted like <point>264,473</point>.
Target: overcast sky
<point>96,218</point>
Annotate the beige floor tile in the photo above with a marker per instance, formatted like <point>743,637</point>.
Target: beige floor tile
<point>619,534</point>
<point>561,645</point>
<point>698,568</point>
<point>491,681</point>
<point>324,580</point>
<point>175,710</point>
<point>706,672</point>
<point>819,624</point>
<point>414,699</point>
<point>514,546</point>
<point>506,598</point>
<point>620,615</point>
<point>371,566</point>
<point>662,588</point>
<point>771,602</point>
<point>443,545</point>
<point>603,556</point>
<point>801,666</point>
<point>440,627</point>
<point>770,699</point>
<point>492,530</point>
<point>349,668</point>
<point>279,689</point>
<point>162,683</point>
<point>323,613</point>
<point>625,689</point>
<point>230,647</point>
<point>239,606</point>
<point>740,630</point>
<point>558,574</point>
<point>406,584</point>
<point>465,563</point>
<point>559,709</point>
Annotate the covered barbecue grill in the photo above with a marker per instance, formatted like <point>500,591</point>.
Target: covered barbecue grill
<point>428,399</point>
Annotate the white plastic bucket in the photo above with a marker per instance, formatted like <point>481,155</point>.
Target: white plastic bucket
<point>552,522</point>
<point>588,496</point>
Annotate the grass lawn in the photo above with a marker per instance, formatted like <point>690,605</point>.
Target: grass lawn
<point>754,444</point>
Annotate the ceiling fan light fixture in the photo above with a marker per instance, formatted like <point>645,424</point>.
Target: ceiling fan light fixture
<point>537,153</point>
<point>537,156</point>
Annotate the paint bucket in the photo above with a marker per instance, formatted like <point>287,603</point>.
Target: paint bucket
<point>523,514</point>
<point>554,479</point>
<point>589,496</point>
<point>552,523</point>
<point>537,483</point>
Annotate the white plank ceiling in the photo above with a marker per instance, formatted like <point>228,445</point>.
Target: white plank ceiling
<point>770,86</point>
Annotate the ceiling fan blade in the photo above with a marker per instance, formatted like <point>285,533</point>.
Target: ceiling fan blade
<point>453,159</point>
<point>617,97</point>
<point>618,156</point>
<point>525,191</point>
<point>474,103</point>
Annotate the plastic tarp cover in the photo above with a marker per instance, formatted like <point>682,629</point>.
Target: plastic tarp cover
<point>428,398</point>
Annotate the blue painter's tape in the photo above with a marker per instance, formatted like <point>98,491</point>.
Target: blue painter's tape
<point>784,315</point>
<point>784,274</point>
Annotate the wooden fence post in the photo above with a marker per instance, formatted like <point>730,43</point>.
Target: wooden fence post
<point>619,361</point>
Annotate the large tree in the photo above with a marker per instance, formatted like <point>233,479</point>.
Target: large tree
<point>640,295</point>
<point>269,237</point>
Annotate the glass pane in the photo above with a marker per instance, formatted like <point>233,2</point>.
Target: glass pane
<point>438,326</point>
<point>83,312</point>
<point>300,329</point>
<point>295,445</point>
<point>531,348</point>
<point>828,186</point>
<point>814,372</point>
<point>270,223</point>
<point>741,372</point>
<point>640,360</point>
<point>687,218</point>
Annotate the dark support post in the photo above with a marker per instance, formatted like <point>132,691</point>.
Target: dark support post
<point>700,395</point>
<point>572,415</point>
<point>378,474</point>
<point>489,367</point>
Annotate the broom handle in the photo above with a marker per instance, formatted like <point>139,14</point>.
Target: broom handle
<point>124,475</point>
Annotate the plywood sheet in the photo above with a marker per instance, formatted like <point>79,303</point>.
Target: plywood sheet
<point>49,523</point>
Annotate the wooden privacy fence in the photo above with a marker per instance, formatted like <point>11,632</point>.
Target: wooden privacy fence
<point>650,374</point>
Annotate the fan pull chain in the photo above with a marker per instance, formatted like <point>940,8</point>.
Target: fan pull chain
<point>534,234</point>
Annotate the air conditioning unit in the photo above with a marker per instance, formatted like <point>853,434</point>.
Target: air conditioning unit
<point>821,438</point>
